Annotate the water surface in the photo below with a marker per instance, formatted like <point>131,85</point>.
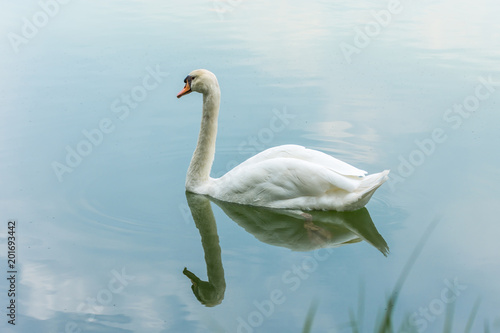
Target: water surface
<point>104,236</point>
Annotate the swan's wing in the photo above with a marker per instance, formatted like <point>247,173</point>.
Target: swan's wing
<point>281,179</point>
<point>304,154</point>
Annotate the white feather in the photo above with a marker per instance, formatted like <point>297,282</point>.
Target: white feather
<point>287,176</point>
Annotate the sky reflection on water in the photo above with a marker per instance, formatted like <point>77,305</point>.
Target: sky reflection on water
<point>123,209</point>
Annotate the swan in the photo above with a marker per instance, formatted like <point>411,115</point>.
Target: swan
<point>287,176</point>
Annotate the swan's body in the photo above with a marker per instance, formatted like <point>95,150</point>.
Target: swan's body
<point>287,176</point>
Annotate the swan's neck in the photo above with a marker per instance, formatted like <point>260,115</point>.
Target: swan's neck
<point>203,157</point>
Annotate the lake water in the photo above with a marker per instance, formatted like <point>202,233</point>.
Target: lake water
<point>95,147</point>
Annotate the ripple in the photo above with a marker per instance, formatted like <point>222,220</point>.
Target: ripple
<point>131,197</point>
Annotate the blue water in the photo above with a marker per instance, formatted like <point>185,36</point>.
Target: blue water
<point>95,146</point>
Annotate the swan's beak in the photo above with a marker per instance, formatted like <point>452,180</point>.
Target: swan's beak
<point>186,90</point>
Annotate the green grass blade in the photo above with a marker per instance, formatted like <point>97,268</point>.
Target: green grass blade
<point>310,316</point>
<point>472,316</point>
<point>361,303</point>
<point>353,321</point>
<point>486,326</point>
<point>386,324</point>
<point>448,321</point>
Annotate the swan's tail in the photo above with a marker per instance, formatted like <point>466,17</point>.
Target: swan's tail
<point>371,182</point>
<point>368,186</point>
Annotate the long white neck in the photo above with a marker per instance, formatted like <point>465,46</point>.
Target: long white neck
<point>203,157</point>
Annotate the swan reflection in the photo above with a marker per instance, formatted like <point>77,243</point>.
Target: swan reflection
<point>293,229</point>
<point>211,292</point>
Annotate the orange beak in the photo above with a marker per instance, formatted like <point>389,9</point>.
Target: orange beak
<point>185,91</point>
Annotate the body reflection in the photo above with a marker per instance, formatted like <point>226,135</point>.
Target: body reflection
<point>293,229</point>
<point>306,231</point>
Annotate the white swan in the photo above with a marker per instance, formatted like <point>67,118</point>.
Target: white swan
<point>287,176</point>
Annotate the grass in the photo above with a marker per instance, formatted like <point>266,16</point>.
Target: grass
<point>386,323</point>
<point>310,317</point>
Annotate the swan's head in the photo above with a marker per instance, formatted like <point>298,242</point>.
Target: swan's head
<point>206,293</point>
<point>201,81</point>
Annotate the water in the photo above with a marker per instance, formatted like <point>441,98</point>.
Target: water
<point>103,237</point>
